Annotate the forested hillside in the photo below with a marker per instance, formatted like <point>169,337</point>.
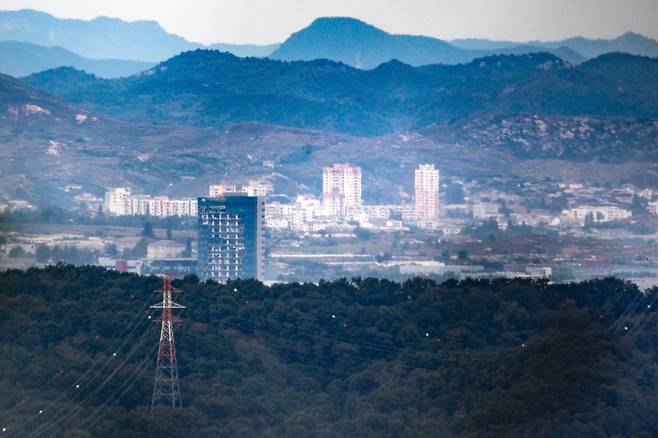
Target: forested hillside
<point>207,88</point>
<point>345,358</point>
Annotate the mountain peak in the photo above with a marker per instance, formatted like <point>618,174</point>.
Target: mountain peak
<point>342,24</point>
<point>632,35</point>
<point>362,45</point>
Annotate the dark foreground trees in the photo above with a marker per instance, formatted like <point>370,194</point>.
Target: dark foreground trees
<point>344,358</point>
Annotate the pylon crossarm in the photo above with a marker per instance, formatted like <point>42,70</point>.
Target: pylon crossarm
<point>171,306</point>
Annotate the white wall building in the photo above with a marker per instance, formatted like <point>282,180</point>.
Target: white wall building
<point>117,201</point>
<point>216,190</point>
<point>341,188</point>
<point>299,216</point>
<point>603,213</point>
<point>120,202</point>
<point>381,212</point>
<point>426,193</point>
<point>164,249</point>
<point>252,188</point>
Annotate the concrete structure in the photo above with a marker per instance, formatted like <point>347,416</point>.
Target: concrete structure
<point>603,213</point>
<point>230,237</point>
<point>252,188</point>
<point>381,212</point>
<point>120,201</point>
<point>216,190</point>
<point>485,210</point>
<point>341,188</point>
<point>117,201</point>
<point>298,216</point>
<point>162,206</point>
<point>164,249</point>
<point>426,193</point>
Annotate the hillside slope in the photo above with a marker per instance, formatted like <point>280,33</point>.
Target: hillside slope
<point>359,44</point>
<point>502,358</point>
<point>21,59</point>
<point>208,88</point>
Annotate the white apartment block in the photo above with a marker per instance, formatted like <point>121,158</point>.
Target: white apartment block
<point>252,188</point>
<point>120,202</point>
<point>299,216</point>
<point>117,201</point>
<point>341,188</point>
<point>216,190</point>
<point>426,193</point>
<point>603,213</point>
<point>162,206</point>
<point>381,212</point>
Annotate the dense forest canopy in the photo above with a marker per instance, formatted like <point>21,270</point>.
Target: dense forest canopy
<point>361,357</point>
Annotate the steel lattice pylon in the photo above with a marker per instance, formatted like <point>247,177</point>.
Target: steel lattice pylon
<point>166,386</point>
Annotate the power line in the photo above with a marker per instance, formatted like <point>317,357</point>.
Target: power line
<point>84,381</point>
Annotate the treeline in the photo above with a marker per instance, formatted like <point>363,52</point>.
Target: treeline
<point>361,357</point>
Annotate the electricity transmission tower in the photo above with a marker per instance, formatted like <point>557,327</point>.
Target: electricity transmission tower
<point>166,387</point>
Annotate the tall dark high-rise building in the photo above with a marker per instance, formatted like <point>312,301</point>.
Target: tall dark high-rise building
<point>230,237</point>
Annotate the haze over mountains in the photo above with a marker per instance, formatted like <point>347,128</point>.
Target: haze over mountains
<point>173,127</point>
<point>203,115</point>
<point>124,47</point>
<point>630,42</point>
<point>342,39</point>
<point>361,45</point>
<point>21,59</point>
<point>208,88</point>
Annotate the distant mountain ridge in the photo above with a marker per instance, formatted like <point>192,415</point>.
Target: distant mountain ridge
<point>630,42</point>
<point>209,88</point>
<point>107,38</point>
<point>359,44</point>
<point>100,38</point>
<point>343,39</point>
<point>21,59</point>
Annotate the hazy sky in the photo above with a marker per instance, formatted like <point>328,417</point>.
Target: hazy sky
<point>263,21</point>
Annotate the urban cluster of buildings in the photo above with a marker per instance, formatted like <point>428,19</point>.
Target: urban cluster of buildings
<point>231,218</point>
<point>341,200</point>
<point>120,201</point>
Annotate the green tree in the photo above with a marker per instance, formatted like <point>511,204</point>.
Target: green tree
<point>140,249</point>
<point>111,250</point>
<point>147,231</point>
<point>17,252</point>
<point>43,253</point>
